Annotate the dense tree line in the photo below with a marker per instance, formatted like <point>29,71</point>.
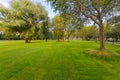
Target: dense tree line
<point>27,20</point>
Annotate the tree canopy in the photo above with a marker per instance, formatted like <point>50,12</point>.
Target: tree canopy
<point>95,10</point>
<point>23,16</point>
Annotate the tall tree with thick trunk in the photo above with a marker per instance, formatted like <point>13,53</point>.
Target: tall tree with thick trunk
<point>96,10</point>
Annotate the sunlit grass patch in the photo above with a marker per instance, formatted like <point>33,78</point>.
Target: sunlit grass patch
<point>52,60</point>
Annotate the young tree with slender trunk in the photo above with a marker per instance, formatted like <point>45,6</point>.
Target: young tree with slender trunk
<point>59,26</point>
<point>95,10</point>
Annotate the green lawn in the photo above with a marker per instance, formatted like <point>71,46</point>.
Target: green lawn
<point>40,60</point>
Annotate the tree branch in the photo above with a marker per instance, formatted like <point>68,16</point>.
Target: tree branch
<point>106,5</point>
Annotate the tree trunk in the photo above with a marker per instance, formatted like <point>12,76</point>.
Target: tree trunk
<point>58,39</point>
<point>68,39</point>
<point>116,39</point>
<point>46,39</point>
<point>27,40</point>
<point>102,47</point>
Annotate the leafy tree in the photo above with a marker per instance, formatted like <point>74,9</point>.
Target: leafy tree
<point>108,31</point>
<point>6,33</point>
<point>59,26</point>
<point>45,29</point>
<point>23,16</point>
<point>114,20</point>
<point>115,31</point>
<point>70,27</point>
<point>96,10</point>
<point>69,30</point>
<point>88,33</point>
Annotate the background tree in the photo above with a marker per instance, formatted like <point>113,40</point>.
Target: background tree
<point>45,29</point>
<point>96,10</point>
<point>115,20</point>
<point>70,27</point>
<point>88,33</point>
<point>23,16</point>
<point>108,31</point>
<point>59,26</point>
<point>115,31</point>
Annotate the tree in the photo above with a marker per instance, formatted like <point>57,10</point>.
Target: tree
<point>6,33</point>
<point>88,33</point>
<point>59,26</point>
<point>70,25</point>
<point>23,16</point>
<point>116,32</point>
<point>96,10</point>
<point>108,31</point>
<point>115,22</point>
<point>112,31</point>
<point>44,29</point>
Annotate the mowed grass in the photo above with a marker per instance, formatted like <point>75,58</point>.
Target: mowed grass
<point>40,60</point>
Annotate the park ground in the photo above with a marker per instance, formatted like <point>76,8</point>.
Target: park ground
<point>40,60</point>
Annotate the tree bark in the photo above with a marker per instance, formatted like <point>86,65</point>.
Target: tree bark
<point>27,40</point>
<point>102,47</point>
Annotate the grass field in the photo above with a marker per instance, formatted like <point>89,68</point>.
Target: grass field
<point>40,60</point>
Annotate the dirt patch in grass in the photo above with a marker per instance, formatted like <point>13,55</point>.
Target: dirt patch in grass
<point>102,54</point>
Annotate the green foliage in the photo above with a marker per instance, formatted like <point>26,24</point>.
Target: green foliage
<point>108,31</point>
<point>85,7</point>
<point>112,31</point>
<point>59,26</point>
<point>116,32</point>
<point>114,20</point>
<point>45,30</point>
<point>95,10</point>
<point>23,16</point>
<point>58,22</point>
<point>88,33</point>
<point>7,33</point>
